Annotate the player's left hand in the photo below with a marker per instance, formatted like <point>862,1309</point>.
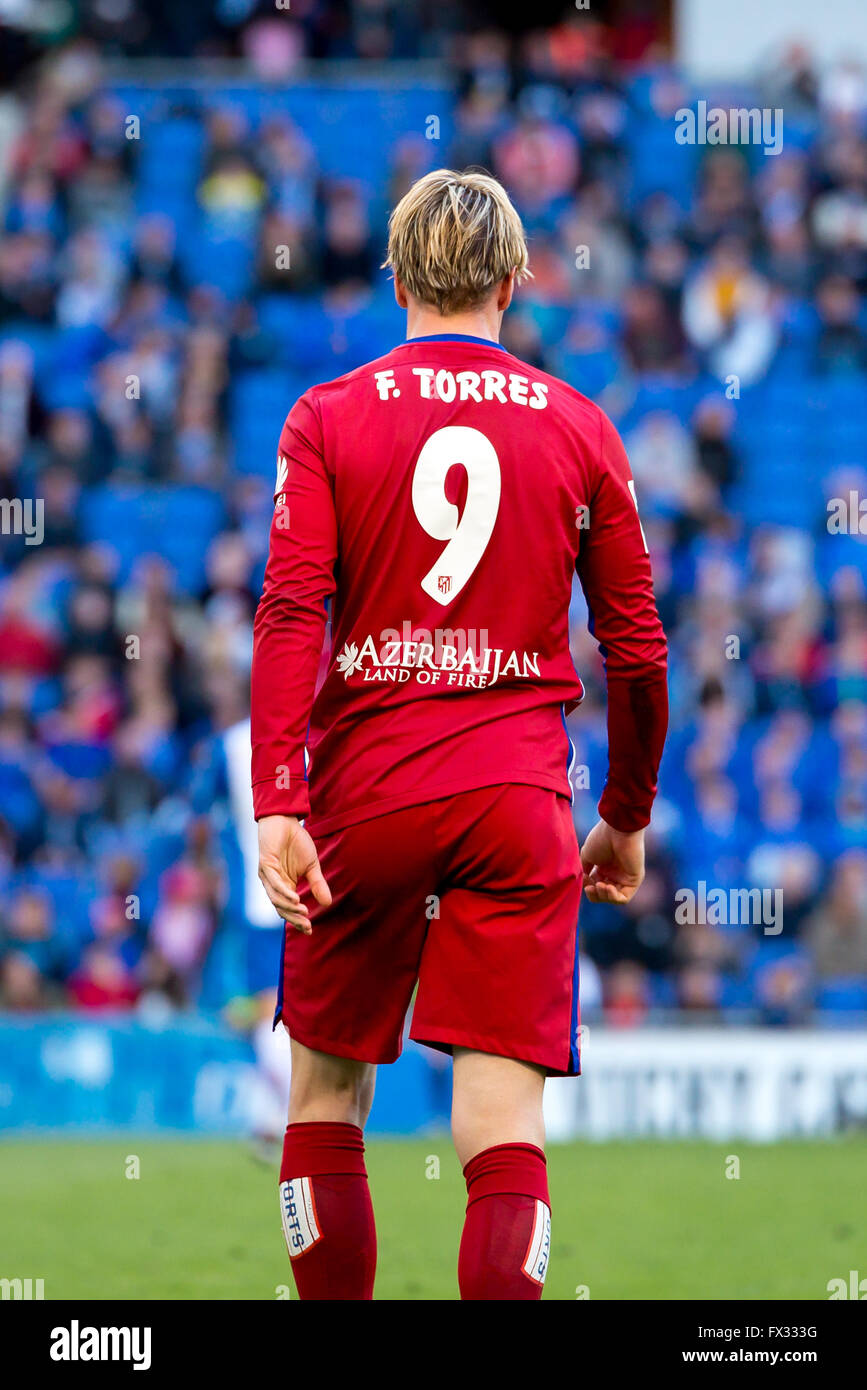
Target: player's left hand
<point>613,864</point>
<point>287,854</point>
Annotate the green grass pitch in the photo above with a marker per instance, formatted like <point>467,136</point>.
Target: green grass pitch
<point>642,1220</point>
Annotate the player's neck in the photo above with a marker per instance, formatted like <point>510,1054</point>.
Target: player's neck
<point>427,323</point>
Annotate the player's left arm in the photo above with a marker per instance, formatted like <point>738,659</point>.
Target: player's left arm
<point>287,643</point>
<point>614,570</point>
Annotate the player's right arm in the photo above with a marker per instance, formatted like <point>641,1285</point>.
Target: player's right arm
<point>287,643</point>
<point>613,568</point>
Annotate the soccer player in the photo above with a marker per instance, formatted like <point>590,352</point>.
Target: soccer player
<point>221,777</point>
<point>413,799</point>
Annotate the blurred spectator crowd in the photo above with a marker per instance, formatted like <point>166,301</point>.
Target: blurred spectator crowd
<point>177,265</point>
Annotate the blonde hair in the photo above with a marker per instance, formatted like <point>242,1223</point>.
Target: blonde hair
<point>453,237</point>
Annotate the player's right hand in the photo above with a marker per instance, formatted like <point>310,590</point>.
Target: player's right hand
<point>287,854</point>
<point>613,864</point>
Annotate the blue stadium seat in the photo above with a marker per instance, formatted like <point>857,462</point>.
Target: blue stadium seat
<point>842,996</point>
<point>175,522</point>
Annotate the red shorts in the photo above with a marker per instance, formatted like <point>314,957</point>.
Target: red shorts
<point>475,897</point>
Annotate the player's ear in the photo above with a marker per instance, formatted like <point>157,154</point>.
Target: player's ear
<point>505,292</point>
<point>400,293</point>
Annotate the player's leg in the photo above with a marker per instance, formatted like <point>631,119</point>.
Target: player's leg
<point>324,1195</point>
<point>495,1101</point>
<point>498,988</point>
<point>344,997</point>
<point>499,1135</point>
<point>338,1090</point>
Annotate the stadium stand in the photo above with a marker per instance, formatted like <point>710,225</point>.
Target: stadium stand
<point>152,340</point>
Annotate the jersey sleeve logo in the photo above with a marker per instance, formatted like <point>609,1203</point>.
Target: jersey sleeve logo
<point>282,479</point>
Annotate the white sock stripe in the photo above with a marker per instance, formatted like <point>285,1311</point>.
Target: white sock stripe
<point>535,1264</point>
<point>298,1214</point>
<point>309,1208</point>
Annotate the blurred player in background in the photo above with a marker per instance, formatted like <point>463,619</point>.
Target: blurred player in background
<point>262,940</point>
<point>222,786</point>
<point>442,498</point>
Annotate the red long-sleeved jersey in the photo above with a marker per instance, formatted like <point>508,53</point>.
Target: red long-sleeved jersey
<point>441,498</point>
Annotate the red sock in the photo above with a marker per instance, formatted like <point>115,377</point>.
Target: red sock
<point>327,1213</point>
<point>507,1232</point>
